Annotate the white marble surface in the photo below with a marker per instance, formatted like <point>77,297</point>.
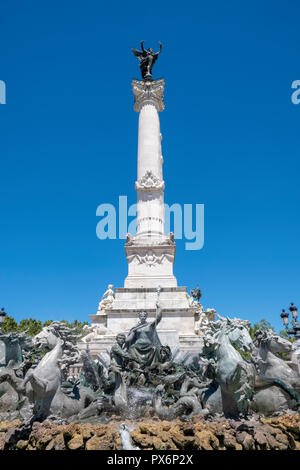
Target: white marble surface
<point>181,321</point>
<point>145,298</point>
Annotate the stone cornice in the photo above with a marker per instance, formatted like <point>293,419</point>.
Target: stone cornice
<point>184,312</point>
<point>149,289</point>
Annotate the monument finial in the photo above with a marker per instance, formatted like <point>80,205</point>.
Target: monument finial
<point>147,59</point>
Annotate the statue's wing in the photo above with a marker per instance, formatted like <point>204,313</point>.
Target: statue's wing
<point>137,53</point>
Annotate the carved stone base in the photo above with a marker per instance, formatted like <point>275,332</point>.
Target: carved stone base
<point>150,266</point>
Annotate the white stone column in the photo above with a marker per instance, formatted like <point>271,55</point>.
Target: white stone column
<point>150,254</point>
<point>150,185</point>
<point>149,141</point>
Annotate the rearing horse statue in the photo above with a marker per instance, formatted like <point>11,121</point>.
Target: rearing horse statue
<point>45,379</point>
<point>233,376</point>
<point>270,366</point>
<point>238,386</point>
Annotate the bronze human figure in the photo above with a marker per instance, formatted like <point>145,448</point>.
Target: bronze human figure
<point>147,59</point>
<point>118,355</point>
<point>142,342</point>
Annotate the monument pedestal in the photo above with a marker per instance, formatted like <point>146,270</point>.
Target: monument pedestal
<point>150,264</point>
<point>176,328</point>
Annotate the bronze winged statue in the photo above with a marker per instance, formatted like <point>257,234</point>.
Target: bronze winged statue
<point>147,59</point>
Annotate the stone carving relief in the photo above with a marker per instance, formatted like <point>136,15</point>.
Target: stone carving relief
<point>150,258</point>
<point>94,332</point>
<point>149,182</point>
<point>211,314</point>
<point>168,240</point>
<point>203,319</point>
<point>193,303</point>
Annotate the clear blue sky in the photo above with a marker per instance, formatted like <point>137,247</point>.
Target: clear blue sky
<point>68,142</point>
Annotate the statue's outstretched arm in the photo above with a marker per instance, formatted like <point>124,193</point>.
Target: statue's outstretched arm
<point>158,315</point>
<point>160,49</point>
<point>142,46</point>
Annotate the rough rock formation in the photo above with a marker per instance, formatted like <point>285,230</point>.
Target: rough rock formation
<point>280,433</point>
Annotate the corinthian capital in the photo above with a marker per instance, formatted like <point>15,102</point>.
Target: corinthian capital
<point>148,92</point>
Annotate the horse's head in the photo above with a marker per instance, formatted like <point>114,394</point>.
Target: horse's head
<point>45,339</point>
<point>273,342</point>
<point>237,331</point>
<point>279,345</point>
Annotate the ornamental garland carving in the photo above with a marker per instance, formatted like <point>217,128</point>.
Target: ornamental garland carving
<point>149,182</point>
<point>150,259</point>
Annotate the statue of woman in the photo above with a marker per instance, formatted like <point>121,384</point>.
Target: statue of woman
<point>142,342</point>
<point>107,299</point>
<point>147,59</point>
